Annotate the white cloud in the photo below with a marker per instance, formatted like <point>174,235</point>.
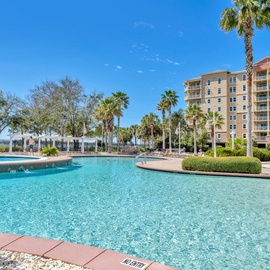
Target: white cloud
<point>227,65</point>
<point>180,33</point>
<point>139,71</point>
<point>152,70</point>
<point>144,25</point>
<point>119,67</point>
<point>106,65</point>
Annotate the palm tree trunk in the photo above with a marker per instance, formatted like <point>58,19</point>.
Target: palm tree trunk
<point>118,130</point>
<point>195,142</point>
<point>249,68</point>
<point>163,129</point>
<point>170,132</point>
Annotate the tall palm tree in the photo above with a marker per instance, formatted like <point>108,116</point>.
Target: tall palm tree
<point>214,119</point>
<point>134,131</point>
<point>193,113</point>
<point>170,98</point>
<point>123,102</point>
<point>162,106</point>
<point>243,17</point>
<point>149,127</point>
<point>106,110</point>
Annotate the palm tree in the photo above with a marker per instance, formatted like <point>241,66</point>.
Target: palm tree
<point>170,99</point>
<point>193,113</point>
<point>134,132</point>
<point>162,106</point>
<point>149,127</point>
<point>105,111</point>
<point>243,17</point>
<point>123,102</point>
<point>213,118</point>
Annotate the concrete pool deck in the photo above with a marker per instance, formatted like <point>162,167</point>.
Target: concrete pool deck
<point>174,165</point>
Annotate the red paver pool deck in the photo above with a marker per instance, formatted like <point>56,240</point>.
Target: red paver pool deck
<point>77,254</point>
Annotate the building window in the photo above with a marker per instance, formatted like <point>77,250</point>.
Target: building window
<point>208,101</point>
<point>219,80</point>
<point>219,91</point>
<point>219,109</point>
<point>230,99</point>
<point>208,92</point>
<point>234,126</point>
<point>219,136</point>
<point>244,126</point>
<point>219,100</point>
<point>244,135</point>
<point>231,108</point>
<point>244,107</point>
<point>232,79</point>
<point>234,99</point>
<point>234,117</point>
<point>208,109</point>
<point>234,89</point>
<point>244,77</point>
<point>230,126</point>
<point>244,97</point>
<point>244,116</point>
<point>208,82</point>
<point>231,117</point>
<point>234,108</point>
<point>244,88</point>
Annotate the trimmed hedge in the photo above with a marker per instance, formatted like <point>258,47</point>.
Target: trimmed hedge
<point>223,164</point>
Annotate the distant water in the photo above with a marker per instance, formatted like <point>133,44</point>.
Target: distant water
<point>185,221</point>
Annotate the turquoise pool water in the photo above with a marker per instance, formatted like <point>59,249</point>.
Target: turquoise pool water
<point>12,158</point>
<point>185,221</point>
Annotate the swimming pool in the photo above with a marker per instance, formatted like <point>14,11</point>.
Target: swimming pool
<point>185,221</point>
<point>16,158</point>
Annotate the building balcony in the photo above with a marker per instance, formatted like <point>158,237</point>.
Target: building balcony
<point>261,108</point>
<point>194,87</point>
<point>261,118</point>
<point>197,96</point>
<point>261,88</point>
<point>260,138</point>
<point>259,128</point>
<point>261,98</point>
<point>260,78</point>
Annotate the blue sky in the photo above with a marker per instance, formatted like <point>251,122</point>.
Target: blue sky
<point>140,47</point>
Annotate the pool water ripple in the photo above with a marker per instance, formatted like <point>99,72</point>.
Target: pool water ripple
<point>185,221</point>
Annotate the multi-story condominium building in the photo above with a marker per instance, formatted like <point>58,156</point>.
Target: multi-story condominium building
<point>226,92</point>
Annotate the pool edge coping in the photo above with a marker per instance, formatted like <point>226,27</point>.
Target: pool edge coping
<point>73,253</point>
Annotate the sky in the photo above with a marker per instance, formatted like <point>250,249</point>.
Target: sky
<point>139,47</point>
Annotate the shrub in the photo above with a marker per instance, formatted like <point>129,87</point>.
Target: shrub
<point>223,164</point>
<point>91,149</point>
<point>142,149</point>
<point>4,149</point>
<point>49,151</point>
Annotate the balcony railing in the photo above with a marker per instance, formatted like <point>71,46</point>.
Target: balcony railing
<point>260,78</point>
<point>260,128</point>
<point>261,108</point>
<point>261,88</point>
<point>260,118</point>
<point>260,138</point>
<point>193,87</point>
<point>261,98</point>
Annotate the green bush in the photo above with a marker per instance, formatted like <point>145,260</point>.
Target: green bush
<point>91,149</point>
<point>223,164</point>
<point>4,149</point>
<point>142,149</point>
<point>49,151</point>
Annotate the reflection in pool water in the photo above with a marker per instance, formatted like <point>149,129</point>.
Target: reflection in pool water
<point>185,221</point>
